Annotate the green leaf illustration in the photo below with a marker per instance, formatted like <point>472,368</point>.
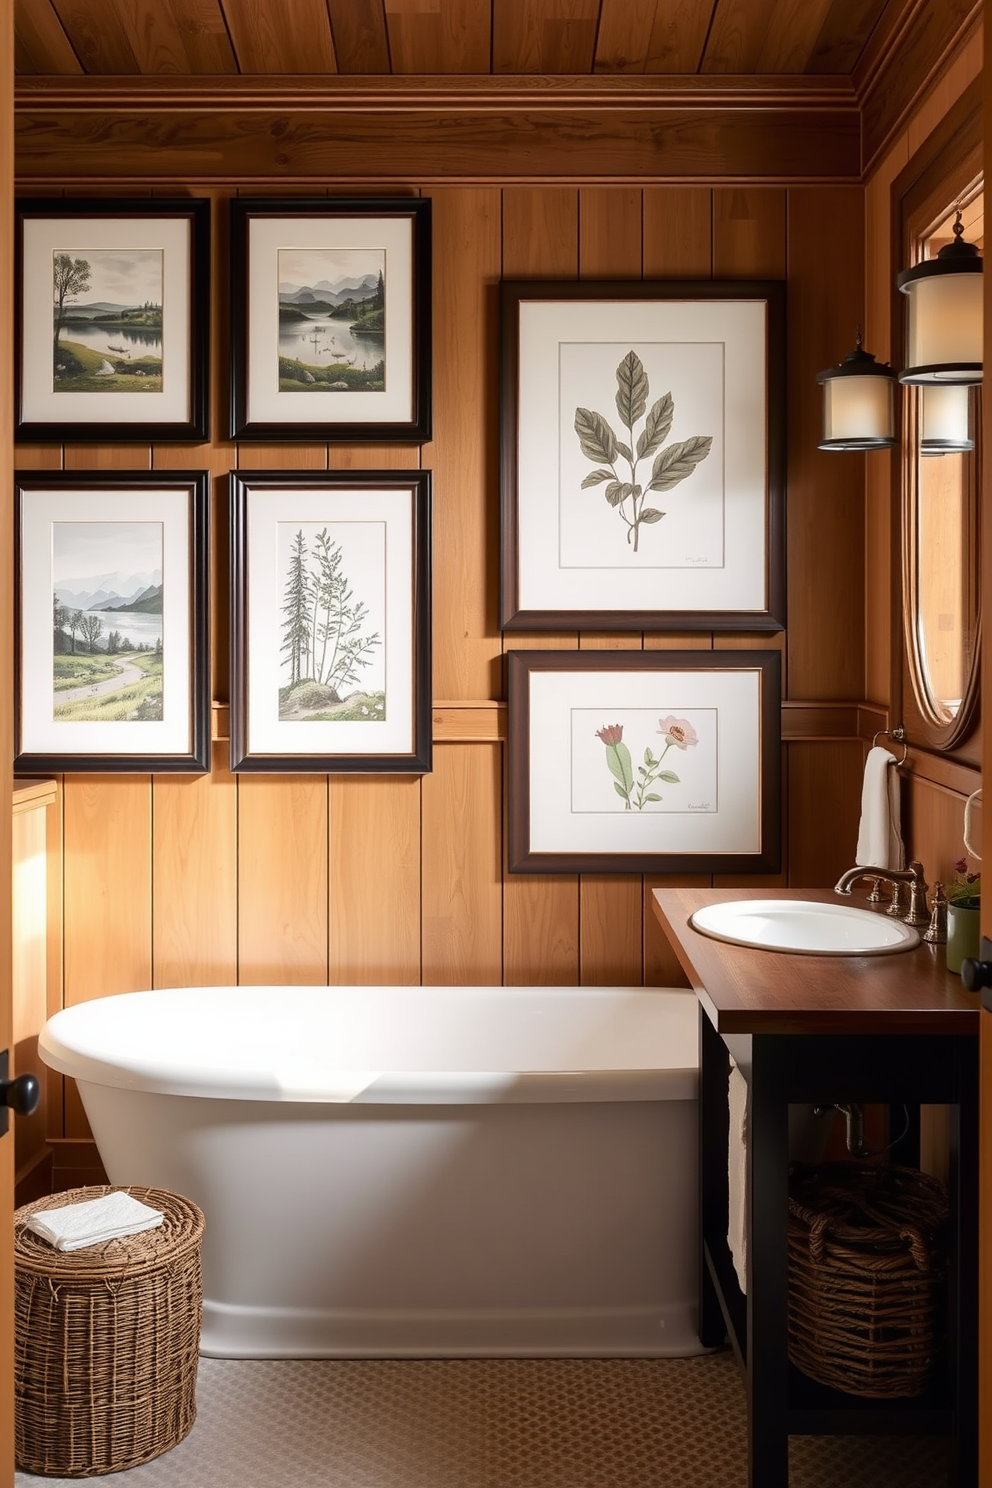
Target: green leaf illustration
<point>596,477</point>
<point>632,389</point>
<point>624,449</point>
<point>621,765</point>
<point>650,514</point>
<point>614,493</point>
<point>652,797</point>
<point>596,439</point>
<point>678,461</point>
<point>620,791</point>
<point>655,431</point>
<point>669,776</point>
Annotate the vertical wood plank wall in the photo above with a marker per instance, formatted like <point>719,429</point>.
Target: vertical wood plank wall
<point>309,878</point>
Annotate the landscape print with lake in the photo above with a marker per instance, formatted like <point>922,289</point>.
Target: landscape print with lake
<point>332,320</point>
<point>107,320</point>
<point>107,609</point>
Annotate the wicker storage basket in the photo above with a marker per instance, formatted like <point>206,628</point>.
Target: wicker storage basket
<point>106,1340</point>
<point>867,1254</point>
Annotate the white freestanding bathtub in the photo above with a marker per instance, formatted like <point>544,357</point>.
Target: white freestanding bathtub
<point>412,1171</point>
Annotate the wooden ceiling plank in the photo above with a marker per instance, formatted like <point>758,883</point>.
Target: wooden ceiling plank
<point>652,35</point>
<point>40,42</point>
<point>153,36</point>
<point>439,36</point>
<point>204,36</point>
<point>359,30</point>
<point>737,35</point>
<point>544,36</point>
<point>97,37</point>
<point>792,35</point>
<point>270,36</point>
<point>844,34</point>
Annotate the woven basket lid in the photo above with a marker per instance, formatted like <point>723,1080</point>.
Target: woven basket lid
<point>181,1230</point>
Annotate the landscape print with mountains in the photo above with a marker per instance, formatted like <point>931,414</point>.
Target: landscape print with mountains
<point>107,661</point>
<point>332,320</point>
<point>107,320</point>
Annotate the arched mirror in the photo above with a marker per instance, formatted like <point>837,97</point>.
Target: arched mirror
<point>941,482</point>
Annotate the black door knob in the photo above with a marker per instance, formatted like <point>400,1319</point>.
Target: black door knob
<point>976,974</point>
<point>21,1095</point>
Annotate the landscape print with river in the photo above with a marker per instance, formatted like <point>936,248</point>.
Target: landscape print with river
<point>332,320</point>
<point>107,320</point>
<point>107,657</point>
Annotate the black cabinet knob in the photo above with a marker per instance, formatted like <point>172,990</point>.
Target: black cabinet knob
<point>21,1095</point>
<point>976,974</point>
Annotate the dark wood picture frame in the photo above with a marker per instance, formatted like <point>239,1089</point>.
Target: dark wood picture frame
<point>517,401</point>
<point>178,717</point>
<point>404,235</point>
<point>268,732</point>
<point>176,412</point>
<point>626,694</point>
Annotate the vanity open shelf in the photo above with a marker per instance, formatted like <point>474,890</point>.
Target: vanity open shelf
<point>818,1031</point>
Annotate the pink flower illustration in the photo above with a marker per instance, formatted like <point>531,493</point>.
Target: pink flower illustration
<point>677,731</point>
<point>610,733</point>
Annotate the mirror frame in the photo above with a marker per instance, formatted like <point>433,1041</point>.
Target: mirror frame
<point>947,164</point>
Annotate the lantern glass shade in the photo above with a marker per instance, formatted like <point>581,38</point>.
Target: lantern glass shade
<point>945,420</point>
<point>858,404</point>
<point>944,330</point>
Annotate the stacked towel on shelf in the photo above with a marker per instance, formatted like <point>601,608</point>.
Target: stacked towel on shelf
<point>879,837</point>
<point>737,1196</point>
<point>111,1217</point>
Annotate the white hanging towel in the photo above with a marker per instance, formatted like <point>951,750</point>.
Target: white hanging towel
<point>737,1157</point>
<point>879,837</point>
<point>111,1217</point>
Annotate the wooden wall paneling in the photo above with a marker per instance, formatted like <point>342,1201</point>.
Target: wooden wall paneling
<point>961,69</point>
<point>444,36</point>
<point>289,456</point>
<point>544,36</point>
<point>611,930</point>
<point>373,457</point>
<point>678,232</point>
<point>55,949</point>
<point>825,521</point>
<point>933,821</point>
<point>194,877</point>
<point>374,876</point>
<point>107,457</point>
<point>29,946</point>
<point>284,39</point>
<point>823,810</point>
<point>359,31</point>
<point>540,912</point>
<point>282,879</point>
<point>461,868</point>
<point>749,232</point>
<point>643,36</point>
<point>38,457</point>
<point>884,340</point>
<point>6,726</point>
<point>40,43</point>
<point>661,965</point>
<point>107,896</point>
<point>610,220</point>
<point>464,454</point>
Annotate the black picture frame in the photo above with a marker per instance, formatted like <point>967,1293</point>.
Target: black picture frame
<point>720,345</point>
<point>384,580</point>
<point>67,522</point>
<point>178,230</point>
<point>564,814</point>
<point>392,236</point>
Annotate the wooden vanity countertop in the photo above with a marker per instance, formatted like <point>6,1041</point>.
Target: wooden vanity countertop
<point>746,990</point>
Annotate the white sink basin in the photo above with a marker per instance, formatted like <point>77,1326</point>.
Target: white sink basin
<point>804,928</point>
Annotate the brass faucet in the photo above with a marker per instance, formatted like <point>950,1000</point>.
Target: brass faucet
<point>918,913</point>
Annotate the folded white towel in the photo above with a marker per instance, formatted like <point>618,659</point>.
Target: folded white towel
<point>879,837</point>
<point>111,1217</point>
<point>737,1192</point>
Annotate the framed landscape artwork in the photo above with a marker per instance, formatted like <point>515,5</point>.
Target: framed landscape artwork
<point>644,761</point>
<point>111,620</point>
<point>642,455</point>
<point>331,621</point>
<point>331,319</point>
<point>112,317</point>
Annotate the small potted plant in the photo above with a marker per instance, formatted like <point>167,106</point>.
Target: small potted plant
<point>964,901</point>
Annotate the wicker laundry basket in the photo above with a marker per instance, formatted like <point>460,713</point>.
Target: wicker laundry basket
<point>867,1263</point>
<point>106,1340</point>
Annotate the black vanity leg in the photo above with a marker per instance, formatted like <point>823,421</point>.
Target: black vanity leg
<point>767,1297</point>
<point>963,1271</point>
<point>713,1070</point>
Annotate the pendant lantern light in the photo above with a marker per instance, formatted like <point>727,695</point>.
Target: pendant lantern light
<point>944,325</point>
<point>945,419</point>
<point>858,403</point>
